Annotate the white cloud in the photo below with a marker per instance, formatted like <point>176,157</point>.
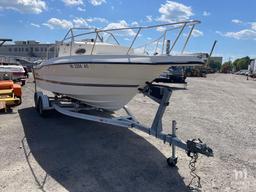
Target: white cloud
<point>97,2</point>
<point>24,6</point>
<point>62,23</point>
<point>219,33</point>
<point>80,22</point>
<point>237,21</point>
<point>121,24</point>
<point>76,22</point>
<point>243,34</point>
<point>97,19</point>
<point>81,9</point>
<point>73,2</point>
<point>149,18</point>
<point>206,13</point>
<point>197,33</point>
<point>173,11</point>
<point>35,25</point>
<point>48,25</point>
<point>253,25</point>
<point>161,29</point>
<point>135,24</point>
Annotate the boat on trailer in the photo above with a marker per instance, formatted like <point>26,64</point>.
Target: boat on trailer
<point>105,75</point>
<point>92,75</point>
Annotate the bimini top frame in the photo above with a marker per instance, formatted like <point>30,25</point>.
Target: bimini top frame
<point>71,35</point>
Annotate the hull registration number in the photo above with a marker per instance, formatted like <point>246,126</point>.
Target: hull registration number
<point>78,66</point>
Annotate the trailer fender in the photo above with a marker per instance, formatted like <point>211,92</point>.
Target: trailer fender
<point>45,102</point>
<point>36,97</point>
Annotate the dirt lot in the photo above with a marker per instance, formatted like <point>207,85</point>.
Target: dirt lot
<point>66,154</point>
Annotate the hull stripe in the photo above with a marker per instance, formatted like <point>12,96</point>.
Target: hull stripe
<point>124,63</point>
<point>85,84</point>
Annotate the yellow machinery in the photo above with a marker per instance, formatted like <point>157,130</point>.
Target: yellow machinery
<point>10,94</point>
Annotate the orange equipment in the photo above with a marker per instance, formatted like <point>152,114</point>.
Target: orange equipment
<point>10,94</point>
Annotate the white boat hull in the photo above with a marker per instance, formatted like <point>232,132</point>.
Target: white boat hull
<point>99,83</point>
<point>109,98</point>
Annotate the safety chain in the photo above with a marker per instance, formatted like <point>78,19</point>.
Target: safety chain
<point>192,167</point>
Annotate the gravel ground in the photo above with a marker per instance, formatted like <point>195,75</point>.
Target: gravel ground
<point>59,153</point>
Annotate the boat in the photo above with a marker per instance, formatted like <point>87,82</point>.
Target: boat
<point>88,68</point>
<point>10,69</point>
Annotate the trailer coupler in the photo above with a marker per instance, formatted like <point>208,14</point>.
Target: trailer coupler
<point>197,146</point>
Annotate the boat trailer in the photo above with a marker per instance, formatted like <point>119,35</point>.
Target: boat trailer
<point>159,93</point>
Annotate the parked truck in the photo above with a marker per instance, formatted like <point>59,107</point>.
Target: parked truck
<point>252,68</point>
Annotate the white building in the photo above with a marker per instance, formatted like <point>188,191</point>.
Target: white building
<point>28,48</point>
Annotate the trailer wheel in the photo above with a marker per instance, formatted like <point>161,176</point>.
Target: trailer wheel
<point>40,108</point>
<point>35,100</point>
<point>172,162</point>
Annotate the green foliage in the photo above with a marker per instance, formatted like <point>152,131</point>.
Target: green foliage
<point>241,63</point>
<point>237,65</point>
<point>216,65</point>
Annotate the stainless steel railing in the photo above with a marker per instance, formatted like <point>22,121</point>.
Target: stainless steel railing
<point>71,35</point>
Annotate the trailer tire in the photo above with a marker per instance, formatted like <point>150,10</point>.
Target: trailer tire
<point>35,100</point>
<point>172,162</point>
<point>40,108</point>
<point>37,95</point>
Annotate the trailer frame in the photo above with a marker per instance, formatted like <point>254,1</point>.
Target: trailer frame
<point>159,93</point>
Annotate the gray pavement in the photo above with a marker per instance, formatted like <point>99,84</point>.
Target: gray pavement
<point>59,153</point>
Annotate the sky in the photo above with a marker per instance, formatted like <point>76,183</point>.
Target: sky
<point>231,22</point>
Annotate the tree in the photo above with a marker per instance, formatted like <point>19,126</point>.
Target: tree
<point>241,63</point>
<point>216,65</point>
